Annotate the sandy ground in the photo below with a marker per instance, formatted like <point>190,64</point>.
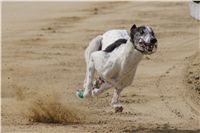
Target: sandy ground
<point>43,65</point>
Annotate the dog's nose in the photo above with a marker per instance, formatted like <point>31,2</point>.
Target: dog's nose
<point>153,40</point>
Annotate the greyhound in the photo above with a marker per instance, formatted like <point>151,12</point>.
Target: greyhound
<point>115,56</point>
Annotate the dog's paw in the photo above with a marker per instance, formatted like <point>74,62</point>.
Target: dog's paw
<point>118,109</point>
<point>79,93</point>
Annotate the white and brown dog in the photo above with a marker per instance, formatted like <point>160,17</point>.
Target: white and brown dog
<point>115,56</point>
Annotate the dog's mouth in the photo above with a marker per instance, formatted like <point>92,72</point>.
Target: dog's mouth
<point>148,48</point>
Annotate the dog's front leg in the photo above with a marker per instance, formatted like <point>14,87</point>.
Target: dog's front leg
<point>115,100</point>
<point>89,78</point>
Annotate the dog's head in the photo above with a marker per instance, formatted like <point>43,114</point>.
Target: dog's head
<point>143,39</point>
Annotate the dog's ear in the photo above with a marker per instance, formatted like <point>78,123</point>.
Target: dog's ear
<point>132,32</point>
<point>133,27</point>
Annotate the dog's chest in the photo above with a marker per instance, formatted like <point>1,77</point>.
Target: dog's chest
<point>119,69</point>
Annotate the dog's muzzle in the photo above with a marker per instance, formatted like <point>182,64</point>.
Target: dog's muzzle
<point>148,48</point>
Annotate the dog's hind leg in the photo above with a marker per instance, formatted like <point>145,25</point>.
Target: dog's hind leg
<point>115,100</point>
<point>94,45</point>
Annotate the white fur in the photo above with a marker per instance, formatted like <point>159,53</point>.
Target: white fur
<point>117,68</point>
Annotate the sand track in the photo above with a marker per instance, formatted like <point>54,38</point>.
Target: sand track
<point>45,53</point>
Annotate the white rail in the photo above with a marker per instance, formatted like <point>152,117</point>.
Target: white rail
<point>194,9</point>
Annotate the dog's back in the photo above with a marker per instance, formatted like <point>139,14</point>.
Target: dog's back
<point>112,36</point>
<point>102,42</point>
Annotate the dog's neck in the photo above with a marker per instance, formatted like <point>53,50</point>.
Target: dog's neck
<point>131,56</point>
<point>130,47</point>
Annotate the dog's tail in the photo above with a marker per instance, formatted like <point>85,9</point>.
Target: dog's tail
<point>94,45</point>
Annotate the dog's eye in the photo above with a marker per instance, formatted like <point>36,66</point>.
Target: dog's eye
<point>141,32</point>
